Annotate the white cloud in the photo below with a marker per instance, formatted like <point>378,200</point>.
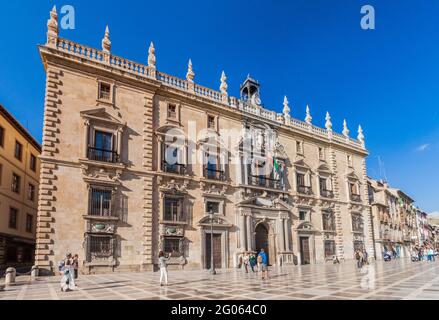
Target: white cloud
<point>422,147</point>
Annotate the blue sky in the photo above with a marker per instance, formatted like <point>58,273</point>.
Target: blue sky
<point>313,51</point>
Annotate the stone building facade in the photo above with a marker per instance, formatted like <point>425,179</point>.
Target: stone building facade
<point>19,179</point>
<point>258,178</point>
<point>394,219</point>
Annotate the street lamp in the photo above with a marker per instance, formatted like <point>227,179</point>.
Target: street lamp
<point>212,264</point>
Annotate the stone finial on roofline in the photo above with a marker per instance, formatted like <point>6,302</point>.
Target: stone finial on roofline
<point>52,28</point>
<point>106,43</point>
<point>360,136</point>
<point>328,124</point>
<point>190,75</point>
<point>345,129</point>
<point>151,56</point>
<point>223,86</point>
<point>286,110</point>
<point>308,117</point>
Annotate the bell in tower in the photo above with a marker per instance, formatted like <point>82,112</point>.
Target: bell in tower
<point>250,91</point>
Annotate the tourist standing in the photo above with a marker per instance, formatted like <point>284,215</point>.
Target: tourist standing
<point>264,265</point>
<point>75,265</point>
<point>365,257</point>
<point>246,261</point>
<point>335,260</point>
<point>67,272</point>
<point>359,258</point>
<point>259,261</point>
<point>163,263</point>
<point>252,262</point>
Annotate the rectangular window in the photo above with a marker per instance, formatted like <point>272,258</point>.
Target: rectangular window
<point>211,122</point>
<point>104,91</point>
<point>102,150</point>
<point>100,247</point>
<point>329,248</point>
<point>323,184</point>
<point>2,137</point>
<point>172,111</point>
<point>31,192</point>
<point>303,215</point>
<point>171,245</point>
<point>349,160</point>
<point>173,209</point>
<point>212,206</point>
<point>300,179</point>
<point>13,216</point>
<point>29,222</point>
<point>100,202</point>
<point>16,181</point>
<point>33,163</point>
<point>18,152</point>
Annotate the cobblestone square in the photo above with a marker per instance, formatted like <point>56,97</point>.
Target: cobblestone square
<point>395,280</point>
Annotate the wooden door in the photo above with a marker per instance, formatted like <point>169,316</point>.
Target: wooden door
<point>304,250</point>
<point>217,252</point>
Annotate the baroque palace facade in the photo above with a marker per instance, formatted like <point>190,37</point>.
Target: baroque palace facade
<point>109,192</point>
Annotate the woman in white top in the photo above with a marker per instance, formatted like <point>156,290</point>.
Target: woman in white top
<point>163,263</point>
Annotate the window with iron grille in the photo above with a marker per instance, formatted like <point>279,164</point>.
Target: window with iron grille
<point>171,245</point>
<point>13,217</point>
<point>329,248</point>
<point>173,209</point>
<point>18,152</point>
<point>100,247</point>
<point>300,179</point>
<point>104,91</point>
<point>102,147</point>
<point>212,206</point>
<point>15,184</point>
<point>100,201</point>
<point>211,122</point>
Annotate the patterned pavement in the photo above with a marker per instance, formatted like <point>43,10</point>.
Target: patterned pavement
<point>395,280</point>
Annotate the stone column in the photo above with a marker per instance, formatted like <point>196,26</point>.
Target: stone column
<point>246,170</point>
<point>242,237</point>
<point>249,232</point>
<point>287,235</point>
<point>281,233</point>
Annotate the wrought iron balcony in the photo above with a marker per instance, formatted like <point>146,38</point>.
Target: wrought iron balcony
<point>304,190</point>
<point>262,181</point>
<point>102,155</point>
<point>173,168</point>
<point>355,197</point>
<point>213,174</point>
<point>327,193</point>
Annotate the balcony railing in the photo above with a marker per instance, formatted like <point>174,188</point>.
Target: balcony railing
<point>174,168</point>
<point>262,181</point>
<point>355,197</point>
<point>327,193</point>
<point>214,174</point>
<point>102,155</point>
<point>304,190</point>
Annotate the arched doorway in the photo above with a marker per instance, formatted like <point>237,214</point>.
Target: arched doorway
<point>262,240</point>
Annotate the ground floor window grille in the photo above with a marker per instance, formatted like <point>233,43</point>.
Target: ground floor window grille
<point>172,246</point>
<point>101,247</point>
<point>329,248</point>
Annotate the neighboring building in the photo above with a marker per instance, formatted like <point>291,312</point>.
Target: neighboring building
<point>109,192</point>
<point>394,219</point>
<point>423,226</point>
<point>19,180</point>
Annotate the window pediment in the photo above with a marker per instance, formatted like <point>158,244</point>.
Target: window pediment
<point>101,115</point>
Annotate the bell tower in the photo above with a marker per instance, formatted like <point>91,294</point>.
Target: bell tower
<point>250,91</point>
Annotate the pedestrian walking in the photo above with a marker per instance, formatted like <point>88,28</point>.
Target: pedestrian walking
<point>264,265</point>
<point>67,274</point>
<point>365,257</point>
<point>252,262</point>
<point>259,262</point>
<point>359,258</point>
<point>246,261</point>
<point>335,260</point>
<point>163,263</point>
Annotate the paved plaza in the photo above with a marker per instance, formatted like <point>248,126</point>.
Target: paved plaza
<point>401,279</point>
